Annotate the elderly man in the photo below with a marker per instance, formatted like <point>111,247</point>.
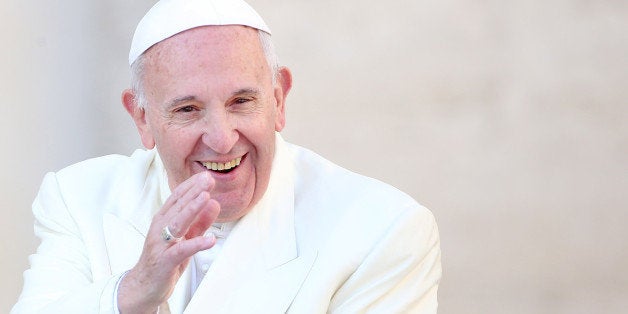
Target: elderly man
<point>220,215</point>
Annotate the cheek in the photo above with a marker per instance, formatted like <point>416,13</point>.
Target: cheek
<point>174,149</point>
<point>175,145</point>
<point>267,152</point>
<point>178,142</point>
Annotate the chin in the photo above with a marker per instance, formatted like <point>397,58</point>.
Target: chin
<point>230,211</point>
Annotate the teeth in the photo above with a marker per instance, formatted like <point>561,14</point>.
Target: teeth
<point>220,166</point>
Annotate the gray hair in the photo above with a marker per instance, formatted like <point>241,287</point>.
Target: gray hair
<point>137,68</point>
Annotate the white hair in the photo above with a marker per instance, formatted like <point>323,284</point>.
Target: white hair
<point>137,68</point>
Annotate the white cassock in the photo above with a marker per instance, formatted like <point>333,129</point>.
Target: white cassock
<point>321,240</point>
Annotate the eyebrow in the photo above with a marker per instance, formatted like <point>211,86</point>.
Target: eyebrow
<point>246,91</point>
<point>242,91</point>
<point>179,100</point>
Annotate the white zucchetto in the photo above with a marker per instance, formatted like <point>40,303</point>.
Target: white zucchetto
<point>170,17</point>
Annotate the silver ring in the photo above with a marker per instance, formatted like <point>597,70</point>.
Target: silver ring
<point>167,235</point>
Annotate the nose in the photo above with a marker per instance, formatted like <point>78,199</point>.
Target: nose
<point>219,133</point>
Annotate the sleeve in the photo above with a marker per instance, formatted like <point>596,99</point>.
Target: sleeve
<point>400,275</point>
<point>60,279</point>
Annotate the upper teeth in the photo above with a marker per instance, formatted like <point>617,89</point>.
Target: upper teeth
<point>222,166</point>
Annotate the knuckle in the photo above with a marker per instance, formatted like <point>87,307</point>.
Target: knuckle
<point>177,193</point>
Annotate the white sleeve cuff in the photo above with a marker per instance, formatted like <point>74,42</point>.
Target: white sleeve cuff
<point>115,293</point>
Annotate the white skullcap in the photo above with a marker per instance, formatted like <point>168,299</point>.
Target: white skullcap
<point>170,17</point>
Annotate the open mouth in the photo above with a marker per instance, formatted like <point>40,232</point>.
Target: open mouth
<point>222,167</point>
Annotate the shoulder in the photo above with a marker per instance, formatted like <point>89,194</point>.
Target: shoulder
<point>97,180</point>
<point>330,195</point>
<point>106,167</point>
<point>318,176</point>
<point>369,225</point>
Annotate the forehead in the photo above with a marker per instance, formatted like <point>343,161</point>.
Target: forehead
<point>207,48</point>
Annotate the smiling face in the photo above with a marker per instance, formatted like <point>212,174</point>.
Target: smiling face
<point>212,106</point>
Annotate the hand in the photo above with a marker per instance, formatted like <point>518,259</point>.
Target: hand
<point>188,213</point>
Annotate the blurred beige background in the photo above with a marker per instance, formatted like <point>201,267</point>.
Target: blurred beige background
<point>506,118</point>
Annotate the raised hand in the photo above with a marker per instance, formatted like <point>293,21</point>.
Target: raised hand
<point>175,235</point>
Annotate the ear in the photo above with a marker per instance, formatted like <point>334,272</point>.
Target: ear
<point>138,115</point>
<point>282,88</point>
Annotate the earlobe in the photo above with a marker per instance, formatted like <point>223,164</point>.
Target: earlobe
<point>139,118</point>
<point>282,88</point>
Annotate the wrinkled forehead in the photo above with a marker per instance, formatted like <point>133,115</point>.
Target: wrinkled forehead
<point>231,44</point>
<point>213,59</point>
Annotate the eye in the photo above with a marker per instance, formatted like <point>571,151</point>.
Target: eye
<point>186,109</point>
<point>241,104</point>
<point>241,100</point>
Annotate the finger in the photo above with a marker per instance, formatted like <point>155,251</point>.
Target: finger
<point>183,250</point>
<point>187,191</point>
<point>183,220</point>
<point>180,215</point>
<point>177,193</point>
<point>204,219</point>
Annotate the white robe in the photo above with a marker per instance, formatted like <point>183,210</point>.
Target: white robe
<point>321,240</point>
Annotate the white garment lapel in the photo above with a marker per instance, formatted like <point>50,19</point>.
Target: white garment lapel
<point>129,213</point>
<point>124,243</point>
<point>259,268</point>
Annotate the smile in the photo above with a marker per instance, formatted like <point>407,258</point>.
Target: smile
<point>219,166</point>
